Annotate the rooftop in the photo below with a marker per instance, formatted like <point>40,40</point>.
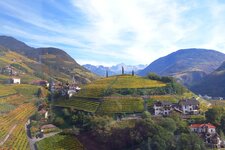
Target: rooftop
<point>208,125</point>
<point>192,101</point>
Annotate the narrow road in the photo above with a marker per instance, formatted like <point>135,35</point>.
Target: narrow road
<point>31,143</point>
<point>7,136</point>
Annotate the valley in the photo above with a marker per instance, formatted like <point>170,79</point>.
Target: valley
<point>48,101</point>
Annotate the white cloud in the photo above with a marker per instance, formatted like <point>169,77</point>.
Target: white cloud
<point>130,31</point>
<point>155,24</point>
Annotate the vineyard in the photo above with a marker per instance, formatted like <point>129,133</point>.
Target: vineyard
<point>60,142</point>
<point>100,87</point>
<point>6,90</point>
<point>15,121</point>
<point>25,89</point>
<point>16,106</point>
<point>121,105</point>
<point>79,104</point>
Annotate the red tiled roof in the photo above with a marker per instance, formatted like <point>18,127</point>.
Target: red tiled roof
<point>48,126</point>
<point>209,125</point>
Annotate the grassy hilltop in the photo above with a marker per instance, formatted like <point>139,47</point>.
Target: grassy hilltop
<point>123,94</point>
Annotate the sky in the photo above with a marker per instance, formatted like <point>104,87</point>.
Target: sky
<point>108,32</point>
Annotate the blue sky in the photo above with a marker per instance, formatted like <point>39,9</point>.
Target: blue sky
<point>109,32</point>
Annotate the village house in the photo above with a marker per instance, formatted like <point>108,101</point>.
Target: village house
<point>48,128</point>
<point>14,81</point>
<point>162,108</point>
<point>41,83</point>
<point>186,107</point>
<point>9,70</point>
<point>208,133</point>
<point>189,106</point>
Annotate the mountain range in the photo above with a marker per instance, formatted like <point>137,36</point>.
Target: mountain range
<point>188,66</point>
<point>114,70</point>
<point>49,62</point>
<point>201,70</point>
<point>212,84</point>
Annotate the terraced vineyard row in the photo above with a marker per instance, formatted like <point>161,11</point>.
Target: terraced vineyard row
<point>121,105</point>
<point>18,118</point>
<point>97,88</point>
<point>79,104</point>
<point>6,90</point>
<point>60,142</point>
<point>127,81</point>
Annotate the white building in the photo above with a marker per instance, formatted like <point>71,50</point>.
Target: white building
<point>71,93</point>
<point>203,128</point>
<point>208,133</point>
<point>162,108</point>
<point>15,81</point>
<point>189,106</point>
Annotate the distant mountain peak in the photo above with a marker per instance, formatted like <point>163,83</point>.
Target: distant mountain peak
<point>187,65</point>
<point>115,69</point>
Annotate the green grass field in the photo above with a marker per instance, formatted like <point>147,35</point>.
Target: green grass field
<point>60,142</point>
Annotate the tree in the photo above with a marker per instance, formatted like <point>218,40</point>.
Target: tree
<point>132,72</point>
<point>146,114</point>
<point>214,115</point>
<point>107,74</point>
<point>59,121</point>
<point>122,70</point>
<point>66,112</point>
<point>74,119</point>
<point>190,141</point>
<point>153,76</point>
<point>168,124</point>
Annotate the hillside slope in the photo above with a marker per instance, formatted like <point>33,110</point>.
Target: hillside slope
<point>212,84</point>
<point>15,65</point>
<point>187,65</point>
<point>51,61</point>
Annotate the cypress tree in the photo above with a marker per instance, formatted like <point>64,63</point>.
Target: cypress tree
<point>122,70</point>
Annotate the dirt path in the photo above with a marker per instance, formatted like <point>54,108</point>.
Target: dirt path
<point>7,136</point>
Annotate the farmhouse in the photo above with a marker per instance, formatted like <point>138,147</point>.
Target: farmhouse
<point>41,83</point>
<point>208,133</point>
<point>46,127</point>
<point>9,70</point>
<point>189,106</point>
<point>14,81</point>
<point>203,128</point>
<point>162,108</point>
<point>186,107</point>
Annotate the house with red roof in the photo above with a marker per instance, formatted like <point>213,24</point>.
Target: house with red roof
<point>203,128</point>
<point>208,133</point>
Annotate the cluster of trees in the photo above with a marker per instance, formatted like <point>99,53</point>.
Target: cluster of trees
<point>173,87</point>
<point>147,134</point>
<point>216,116</point>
